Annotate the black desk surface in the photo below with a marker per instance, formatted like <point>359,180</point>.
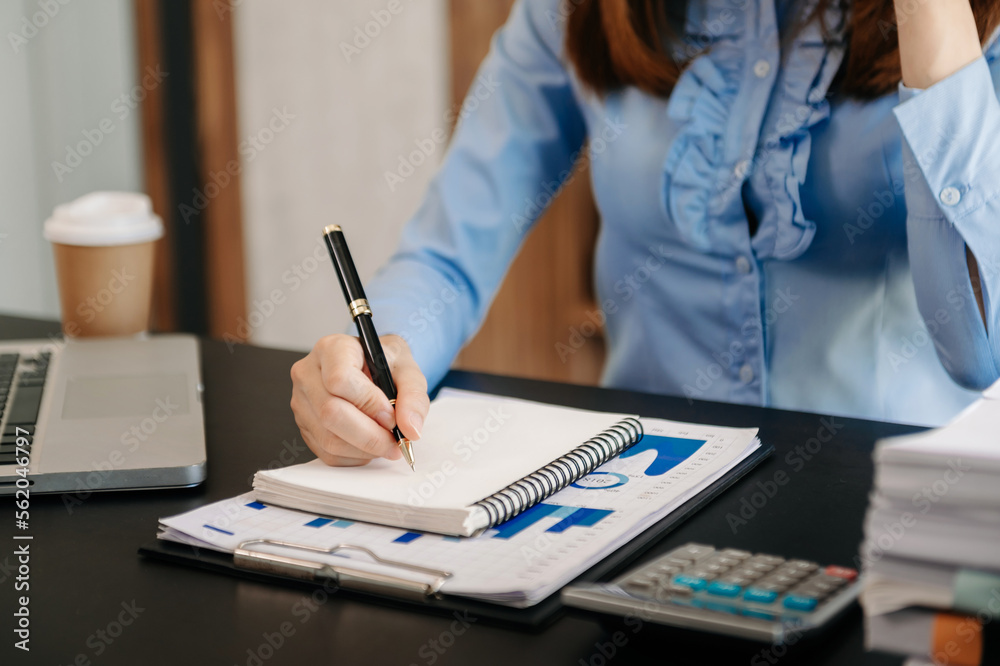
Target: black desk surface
<point>85,571</point>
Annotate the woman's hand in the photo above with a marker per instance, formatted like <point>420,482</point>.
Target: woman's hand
<point>344,418</point>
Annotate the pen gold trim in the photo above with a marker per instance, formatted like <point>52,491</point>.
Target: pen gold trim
<point>404,444</point>
<point>361,313</point>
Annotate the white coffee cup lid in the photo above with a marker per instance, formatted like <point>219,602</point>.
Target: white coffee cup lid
<point>104,218</point>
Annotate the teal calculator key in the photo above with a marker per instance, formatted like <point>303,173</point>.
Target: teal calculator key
<point>720,589</point>
<point>693,582</point>
<point>795,602</point>
<point>760,596</point>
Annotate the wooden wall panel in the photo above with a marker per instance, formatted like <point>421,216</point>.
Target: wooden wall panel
<point>548,290</point>
<point>164,315</point>
<point>215,94</point>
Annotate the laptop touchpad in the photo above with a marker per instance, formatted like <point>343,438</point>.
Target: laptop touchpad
<point>133,395</point>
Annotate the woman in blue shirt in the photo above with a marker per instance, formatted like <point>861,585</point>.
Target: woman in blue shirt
<point>800,214</point>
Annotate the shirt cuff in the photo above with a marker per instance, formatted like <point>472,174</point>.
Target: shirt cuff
<point>951,130</point>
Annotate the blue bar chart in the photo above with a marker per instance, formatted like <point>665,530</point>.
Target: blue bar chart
<point>670,452</point>
<point>568,515</point>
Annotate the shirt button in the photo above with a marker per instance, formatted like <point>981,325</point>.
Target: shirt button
<point>743,264</point>
<point>761,68</point>
<point>950,196</point>
<point>746,373</point>
<point>741,169</point>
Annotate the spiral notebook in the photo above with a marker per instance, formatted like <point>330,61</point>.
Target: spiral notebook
<point>482,460</point>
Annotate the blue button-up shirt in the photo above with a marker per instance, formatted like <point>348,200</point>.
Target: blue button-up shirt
<point>852,295</point>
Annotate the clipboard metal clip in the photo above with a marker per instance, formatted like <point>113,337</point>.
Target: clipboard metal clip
<point>246,557</point>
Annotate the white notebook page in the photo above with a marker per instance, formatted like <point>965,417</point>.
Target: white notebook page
<point>472,446</point>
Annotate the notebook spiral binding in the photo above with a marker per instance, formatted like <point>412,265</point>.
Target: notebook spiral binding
<point>532,489</point>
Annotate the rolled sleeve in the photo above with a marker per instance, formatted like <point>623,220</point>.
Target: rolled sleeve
<point>951,158</point>
<point>519,134</point>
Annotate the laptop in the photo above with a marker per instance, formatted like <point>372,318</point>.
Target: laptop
<point>86,415</point>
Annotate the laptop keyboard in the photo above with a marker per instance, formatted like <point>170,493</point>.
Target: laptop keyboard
<point>20,398</point>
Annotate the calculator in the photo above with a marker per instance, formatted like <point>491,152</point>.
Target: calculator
<point>727,591</point>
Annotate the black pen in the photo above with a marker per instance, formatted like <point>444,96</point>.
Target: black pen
<point>361,312</point>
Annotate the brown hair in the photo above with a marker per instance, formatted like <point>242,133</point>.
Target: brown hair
<point>617,43</point>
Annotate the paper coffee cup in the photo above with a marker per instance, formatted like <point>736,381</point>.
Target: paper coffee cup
<point>103,245</point>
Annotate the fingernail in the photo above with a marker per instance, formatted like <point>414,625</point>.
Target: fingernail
<point>416,422</point>
<point>386,420</point>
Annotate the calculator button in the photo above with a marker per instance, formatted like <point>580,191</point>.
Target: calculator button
<point>723,589</point>
<point>760,596</point>
<point>703,574</point>
<point>757,565</point>
<point>738,554</point>
<point>691,552</point>
<point>735,580</point>
<point>743,572</point>
<point>714,567</point>
<point>782,579</point>
<point>809,590</point>
<point>773,560</point>
<point>801,565</point>
<point>831,582</point>
<point>694,582</point>
<point>675,590</point>
<point>800,603</point>
<point>676,561</point>
<point>643,585</point>
<point>668,569</point>
<point>797,574</point>
<point>841,572</point>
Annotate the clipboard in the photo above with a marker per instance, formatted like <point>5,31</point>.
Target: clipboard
<point>249,561</point>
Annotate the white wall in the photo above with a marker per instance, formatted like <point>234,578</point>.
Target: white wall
<point>354,115</point>
<point>57,82</point>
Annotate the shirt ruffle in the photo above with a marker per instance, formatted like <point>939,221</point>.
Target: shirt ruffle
<point>701,181</point>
